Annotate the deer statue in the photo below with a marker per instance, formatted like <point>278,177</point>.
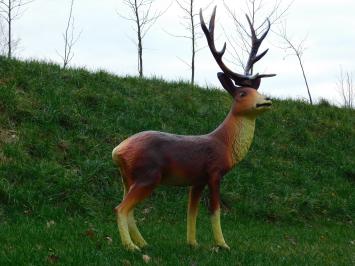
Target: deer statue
<point>150,158</point>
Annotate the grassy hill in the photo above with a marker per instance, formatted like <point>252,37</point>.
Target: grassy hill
<point>291,201</point>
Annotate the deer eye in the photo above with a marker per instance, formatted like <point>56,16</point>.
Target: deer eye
<point>242,94</point>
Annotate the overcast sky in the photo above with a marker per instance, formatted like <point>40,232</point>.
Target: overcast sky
<point>106,42</point>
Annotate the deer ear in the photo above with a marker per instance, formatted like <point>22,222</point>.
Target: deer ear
<point>227,83</point>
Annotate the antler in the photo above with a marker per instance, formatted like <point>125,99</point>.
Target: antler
<point>255,44</point>
<point>247,79</point>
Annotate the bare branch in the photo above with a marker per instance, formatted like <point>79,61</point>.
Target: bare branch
<point>346,89</point>
<point>69,38</point>
<point>256,10</point>
<point>185,62</point>
<point>177,36</point>
<point>190,25</point>
<point>3,41</point>
<point>143,17</point>
<point>11,10</point>
<point>295,49</point>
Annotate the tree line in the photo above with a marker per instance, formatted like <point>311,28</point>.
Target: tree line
<point>143,14</point>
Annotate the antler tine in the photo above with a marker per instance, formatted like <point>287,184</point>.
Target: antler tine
<point>212,20</point>
<point>267,30</point>
<point>255,45</point>
<point>253,34</point>
<point>209,33</point>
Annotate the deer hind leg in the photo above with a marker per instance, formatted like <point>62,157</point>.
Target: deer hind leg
<point>216,214</point>
<point>122,221</point>
<point>134,233</point>
<point>126,224</point>
<point>194,198</point>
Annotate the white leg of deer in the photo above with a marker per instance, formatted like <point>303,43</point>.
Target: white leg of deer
<point>216,213</point>
<point>194,198</point>
<point>137,193</point>
<point>122,222</point>
<point>217,230</point>
<point>134,232</point>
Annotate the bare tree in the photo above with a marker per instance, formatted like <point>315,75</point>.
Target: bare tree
<point>291,48</point>
<point>143,17</point>
<point>346,88</point>
<point>69,38</point>
<point>257,11</point>
<point>3,42</point>
<point>11,10</point>
<point>190,25</point>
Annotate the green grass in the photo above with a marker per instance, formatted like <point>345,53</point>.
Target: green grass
<point>251,242</point>
<point>290,202</point>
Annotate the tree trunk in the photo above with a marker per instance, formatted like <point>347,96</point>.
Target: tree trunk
<point>140,56</point>
<point>139,36</point>
<point>9,44</point>
<point>193,63</point>
<point>305,79</point>
<point>193,44</point>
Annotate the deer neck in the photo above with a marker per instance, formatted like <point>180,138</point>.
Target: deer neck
<point>236,132</point>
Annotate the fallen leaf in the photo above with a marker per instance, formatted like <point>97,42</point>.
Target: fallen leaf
<point>146,258</point>
<point>50,223</point>
<point>291,239</point>
<point>27,212</point>
<point>147,210</point>
<point>215,249</point>
<point>52,258</point>
<point>126,263</point>
<point>109,240</point>
<point>63,145</point>
<point>90,233</point>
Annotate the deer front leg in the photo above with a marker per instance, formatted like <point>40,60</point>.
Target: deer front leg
<point>214,185</point>
<point>194,198</point>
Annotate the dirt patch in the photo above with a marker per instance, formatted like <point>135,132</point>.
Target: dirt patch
<point>8,136</point>
<point>3,158</point>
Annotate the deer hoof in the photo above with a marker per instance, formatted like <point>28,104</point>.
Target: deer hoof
<point>132,247</point>
<point>223,246</point>
<point>142,244</point>
<point>193,244</point>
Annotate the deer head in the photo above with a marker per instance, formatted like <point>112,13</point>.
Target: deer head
<point>244,91</point>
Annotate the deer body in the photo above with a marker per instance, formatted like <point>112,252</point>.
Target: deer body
<point>186,160</point>
<point>173,156</point>
<point>151,158</point>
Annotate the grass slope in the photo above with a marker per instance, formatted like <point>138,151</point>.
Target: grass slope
<point>291,201</point>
